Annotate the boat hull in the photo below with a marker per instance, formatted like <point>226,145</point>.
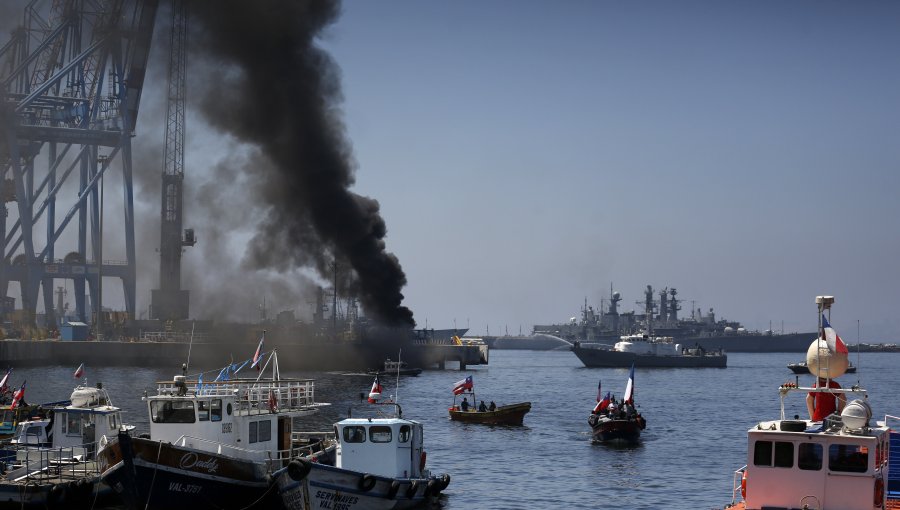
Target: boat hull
<point>403,371</point>
<point>513,414</point>
<point>608,358</point>
<point>155,474</point>
<point>324,486</point>
<point>617,431</point>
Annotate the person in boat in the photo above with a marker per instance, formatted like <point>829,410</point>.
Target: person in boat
<point>465,404</point>
<point>492,407</point>
<point>482,408</point>
<point>822,404</point>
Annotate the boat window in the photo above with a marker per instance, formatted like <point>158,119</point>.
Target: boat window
<point>403,437</point>
<point>783,454</point>
<point>62,419</point>
<point>7,416</point>
<point>113,421</point>
<point>73,424</point>
<point>380,434</point>
<point>172,411</point>
<point>228,409</point>
<point>35,432</point>
<point>265,430</point>
<point>354,434</point>
<point>848,458</point>
<point>203,410</point>
<point>253,431</point>
<point>809,456</point>
<point>216,409</point>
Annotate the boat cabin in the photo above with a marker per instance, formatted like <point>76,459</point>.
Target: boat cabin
<point>839,463</point>
<point>248,418</point>
<point>79,426</point>
<point>646,344</point>
<point>391,447</point>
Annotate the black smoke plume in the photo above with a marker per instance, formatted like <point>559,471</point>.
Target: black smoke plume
<point>275,89</point>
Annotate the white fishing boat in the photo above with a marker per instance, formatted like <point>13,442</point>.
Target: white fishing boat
<point>839,462</point>
<point>213,444</point>
<point>380,465</point>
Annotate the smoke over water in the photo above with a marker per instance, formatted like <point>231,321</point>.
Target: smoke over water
<point>274,89</point>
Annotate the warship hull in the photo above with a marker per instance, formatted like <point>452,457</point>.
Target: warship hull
<point>600,357</point>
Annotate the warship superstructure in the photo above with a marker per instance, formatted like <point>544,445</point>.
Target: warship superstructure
<point>661,318</point>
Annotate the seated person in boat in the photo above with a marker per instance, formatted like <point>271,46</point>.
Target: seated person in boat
<point>822,404</point>
<point>482,408</point>
<point>492,407</point>
<point>465,404</point>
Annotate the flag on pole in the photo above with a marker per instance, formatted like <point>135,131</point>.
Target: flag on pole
<point>375,392</point>
<point>259,352</point>
<point>200,384</point>
<point>599,393</point>
<point>603,404</point>
<point>17,396</point>
<point>629,388</point>
<point>462,386</point>
<point>79,371</point>
<point>5,382</point>
<point>834,342</point>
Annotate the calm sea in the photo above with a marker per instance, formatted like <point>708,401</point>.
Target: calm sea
<point>697,421</point>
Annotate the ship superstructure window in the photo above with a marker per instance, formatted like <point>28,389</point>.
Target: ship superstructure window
<point>354,434</point>
<point>72,424</point>
<point>260,431</point>
<point>203,410</point>
<point>848,458</point>
<point>113,421</point>
<point>777,454</point>
<point>809,456</point>
<point>6,417</point>
<point>380,434</point>
<point>215,410</point>
<point>404,435</point>
<point>172,411</point>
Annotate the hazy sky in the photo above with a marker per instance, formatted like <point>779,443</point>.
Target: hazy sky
<point>526,155</point>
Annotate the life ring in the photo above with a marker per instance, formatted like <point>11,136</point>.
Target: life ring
<point>412,489</point>
<point>422,461</point>
<point>367,482</point>
<point>297,469</point>
<point>878,495</point>
<point>395,488</point>
<point>744,485</point>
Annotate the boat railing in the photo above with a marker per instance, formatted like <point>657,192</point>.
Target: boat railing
<point>736,484</point>
<point>787,388</point>
<point>275,458</point>
<point>251,395</point>
<point>43,464</point>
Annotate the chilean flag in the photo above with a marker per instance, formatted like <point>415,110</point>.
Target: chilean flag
<point>3,382</point>
<point>629,388</point>
<point>603,404</point>
<point>79,371</point>
<point>835,344</point>
<point>462,386</point>
<point>259,352</point>
<point>17,396</point>
<point>375,392</point>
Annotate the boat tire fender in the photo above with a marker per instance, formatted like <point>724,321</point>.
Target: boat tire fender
<point>55,493</point>
<point>412,489</point>
<point>433,488</point>
<point>297,469</point>
<point>793,425</point>
<point>395,488</point>
<point>445,481</point>
<point>367,482</point>
<point>144,435</point>
<point>592,420</point>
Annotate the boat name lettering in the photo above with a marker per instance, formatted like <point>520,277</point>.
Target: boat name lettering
<point>226,428</point>
<point>184,487</point>
<point>329,500</point>
<point>190,461</point>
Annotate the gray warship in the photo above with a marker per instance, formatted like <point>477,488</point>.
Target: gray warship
<point>661,318</point>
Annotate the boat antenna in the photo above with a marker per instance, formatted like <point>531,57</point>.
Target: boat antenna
<point>397,389</point>
<point>857,350</point>
<point>190,344</point>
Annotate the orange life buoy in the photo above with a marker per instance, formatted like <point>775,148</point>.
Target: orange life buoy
<point>422,461</point>
<point>744,485</point>
<point>878,496</point>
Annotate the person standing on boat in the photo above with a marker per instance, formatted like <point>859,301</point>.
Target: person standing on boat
<point>465,404</point>
<point>821,404</point>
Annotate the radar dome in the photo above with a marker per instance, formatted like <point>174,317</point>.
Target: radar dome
<point>824,363</point>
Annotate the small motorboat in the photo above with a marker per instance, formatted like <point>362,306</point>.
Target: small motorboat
<point>510,414</point>
<point>395,368</point>
<point>617,422</point>
<point>801,368</point>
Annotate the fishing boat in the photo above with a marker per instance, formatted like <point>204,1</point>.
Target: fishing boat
<point>395,368</point>
<point>51,460</point>
<point>510,414</point>
<point>617,422</point>
<point>380,465</point>
<point>802,368</point>
<point>837,462</point>
<point>648,351</point>
<point>212,444</point>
